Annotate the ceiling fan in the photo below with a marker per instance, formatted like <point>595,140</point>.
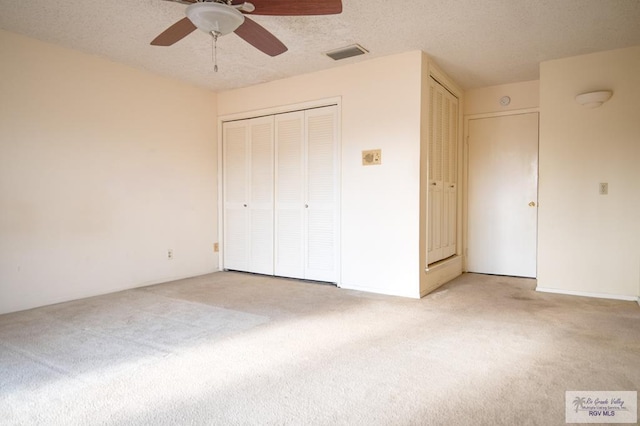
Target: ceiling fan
<point>220,17</point>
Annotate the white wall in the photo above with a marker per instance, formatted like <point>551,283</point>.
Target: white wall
<point>381,103</point>
<point>103,168</point>
<point>590,243</point>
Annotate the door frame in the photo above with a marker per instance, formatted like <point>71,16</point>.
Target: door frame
<point>465,169</point>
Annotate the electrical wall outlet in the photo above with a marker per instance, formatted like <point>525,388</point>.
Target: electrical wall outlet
<point>604,188</point>
<point>372,157</point>
<point>216,247</point>
<point>170,254</point>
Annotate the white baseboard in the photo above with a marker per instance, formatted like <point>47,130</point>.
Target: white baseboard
<point>385,292</point>
<point>440,273</point>
<point>588,294</point>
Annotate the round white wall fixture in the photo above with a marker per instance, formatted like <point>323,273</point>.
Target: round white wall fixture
<point>505,100</point>
<point>594,99</point>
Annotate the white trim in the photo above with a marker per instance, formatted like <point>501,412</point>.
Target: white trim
<point>385,292</point>
<point>338,206</point>
<point>281,109</point>
<point>440,273</point>
<point>588,294</point>
<point>500,113</point>
<point>443,79</point>
<point>220,205</point>
<point>465,171</point>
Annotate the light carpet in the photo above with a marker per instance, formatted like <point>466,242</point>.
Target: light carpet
<point>233,348</point>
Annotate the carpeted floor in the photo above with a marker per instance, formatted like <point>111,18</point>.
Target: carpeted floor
<point>231,348</point>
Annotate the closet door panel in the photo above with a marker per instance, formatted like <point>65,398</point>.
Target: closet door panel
<point>261,194</point>
<point>290,200</point>
<point>281,194</point>
<point>446,183</point>
<point>435,196</point>
<point>321,244</point>
<point>261,247</point>
<point>235,177</point>
<point>431,181</point>
<point>321,221</point>
<point>236,238</point>
<point>450,204</point>
<point>443,172</point>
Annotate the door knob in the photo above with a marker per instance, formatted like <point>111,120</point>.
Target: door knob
<point>532,204</point>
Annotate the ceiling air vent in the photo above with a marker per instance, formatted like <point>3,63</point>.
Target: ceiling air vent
<point>346,52</point>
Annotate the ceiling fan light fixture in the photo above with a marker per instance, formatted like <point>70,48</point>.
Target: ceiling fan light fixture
<point>216,18</point>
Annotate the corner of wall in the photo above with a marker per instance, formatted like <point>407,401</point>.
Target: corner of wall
<point>101,188</point>
<point>433,277</point>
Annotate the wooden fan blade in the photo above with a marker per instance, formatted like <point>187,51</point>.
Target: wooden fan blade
<point>254,34</point>
<point>174,33</point>
<point>295,7</point>
<point>187,2</point>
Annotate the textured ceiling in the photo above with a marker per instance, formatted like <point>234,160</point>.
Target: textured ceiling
<point>477,42</point>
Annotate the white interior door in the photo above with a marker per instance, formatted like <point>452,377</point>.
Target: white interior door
<point>502,198</point>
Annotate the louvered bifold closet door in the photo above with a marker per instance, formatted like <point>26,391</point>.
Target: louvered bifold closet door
<point>289,195</point>
<point>248,195</point>
<point>236,230</point>
<point>450,176</point>
<point>443,172</point>
<point>321,206</point>
<point>435,199</point>
<point>261,195</point>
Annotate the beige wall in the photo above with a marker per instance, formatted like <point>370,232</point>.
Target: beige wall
<point>381,105</point>
<point>98,180</point>
<point>523,95</point>
<point>103,168</point>
<point>590,243</point>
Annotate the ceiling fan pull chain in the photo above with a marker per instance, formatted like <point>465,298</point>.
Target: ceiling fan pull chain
<point>214,51</point>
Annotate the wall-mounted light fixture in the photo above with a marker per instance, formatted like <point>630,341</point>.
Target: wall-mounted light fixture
<point>594,99</point>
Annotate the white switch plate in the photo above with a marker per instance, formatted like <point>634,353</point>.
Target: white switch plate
<point>372,157</point>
